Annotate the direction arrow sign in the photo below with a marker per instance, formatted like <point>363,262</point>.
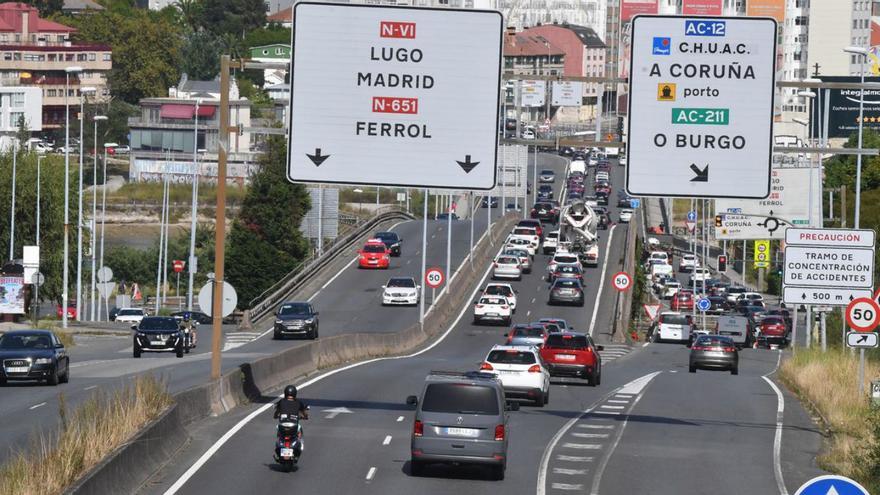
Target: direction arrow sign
<point>382,95</point>
<point>692,216</point>
<point>830,485</point>
<point>715,141</point>
<point>862,340</point>
<point>703,304</point>
<point>336,411</point>
<point>821,295</point>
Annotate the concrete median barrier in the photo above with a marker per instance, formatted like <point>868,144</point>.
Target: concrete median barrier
<point>132,464</point>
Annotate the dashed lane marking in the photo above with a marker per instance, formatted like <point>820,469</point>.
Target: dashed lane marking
<point>591,435</point>
<point>582,446</point>
<point>613,413</point>
<point>41,404</point>
<point>604,406</point>
<point>387,440</point>
<point>371,473</point>
<point>574,458</point>
<point>595,427</point>
<point>569,472</point>
<point>612,401</point>
<point>567,486</point>
<point>399,419</point>
<point>90,387</point>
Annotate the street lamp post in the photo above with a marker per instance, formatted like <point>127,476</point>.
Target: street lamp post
<point>103,216</point>
<point>191,268</point>
<point>863,55</point>
<point>65,270</point>
<point>79,222</point>
<point>810,200</point>
<point>97,118</point>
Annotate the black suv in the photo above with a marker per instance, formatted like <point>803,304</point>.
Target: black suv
<point>33,355</point>
<point>391,240</point>
<point>158,334</point>
<point>296,318</point>
<point>545,212</point>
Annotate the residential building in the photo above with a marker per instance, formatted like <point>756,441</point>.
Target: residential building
<point>163,135</point>
<point>278,52</point>
<point>19,102</point>
<point>523,14</point>
<point>35,52</point>
<point>844,23</point>
<point>283,17</point>
<point>77,7</point>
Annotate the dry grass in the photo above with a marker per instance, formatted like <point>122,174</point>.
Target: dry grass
<point>85,436</point>
<point>828,381</point>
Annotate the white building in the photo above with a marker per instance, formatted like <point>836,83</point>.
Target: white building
<point>523,14</point>
<point>17,102</point>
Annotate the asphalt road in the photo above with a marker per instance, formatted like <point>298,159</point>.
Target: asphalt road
<point>649,428</point>
<point>350,302</point>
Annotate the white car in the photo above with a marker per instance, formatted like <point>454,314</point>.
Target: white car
<point>700,275</point>
<point>524,258</point>
<point>507,267</point>
<point>670,288</point>
<point>577,166</point>
<point>563,257</point>
<point>400,290</point>
<point>622,161</point>
<point>130,315</point>
<point>504,290</point>
<point>521,371</point>
<point>492,308</point>
<point>673,326</point>
<point>521,244</point>
<point>688,262</point>
<point>528,233</point>
<point>625,215</point>
<point>551,242</point>
<point>591,255</point>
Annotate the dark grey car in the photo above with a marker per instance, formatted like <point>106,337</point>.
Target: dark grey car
<point>461,419</point>
<point>297,319</point>
<point>566,291</point>
<point>714,352</point>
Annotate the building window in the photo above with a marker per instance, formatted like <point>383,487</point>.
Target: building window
<point>92,57</point>
<point>106,57</point>
<point>18,37</point>
<point>51,93</point>
<point>13,119</point>
<point>61,38</point>
<point>68,57</point>
<point>81,57</point>
<point>52,57</point>
<point>17,100</point>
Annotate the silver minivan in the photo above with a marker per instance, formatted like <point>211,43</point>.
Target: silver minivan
<point>462,418</point>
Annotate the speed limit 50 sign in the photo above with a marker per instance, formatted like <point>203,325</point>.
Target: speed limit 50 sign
<point>863,314</point>
<point>434,277</point>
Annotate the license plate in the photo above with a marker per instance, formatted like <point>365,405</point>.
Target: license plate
<point>286,453</point>
<point>462,432</point>
<point>373,262</point>
<point>17,369</point>
<point>158,342</point>
<point>508,372</point>
<point>491,314</point>
<point>730,333</point>
<point>565,357</point>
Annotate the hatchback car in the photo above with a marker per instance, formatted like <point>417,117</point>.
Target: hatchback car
<point>714,352</point>
<point>523,334</point>
<point>521,371</point>
<point>773,330</point>
<point>523,243</point>
<point>683,300</point>
<point>374,254</point>
<point>566,291</point>
<point>566,272</point>
<point>158,334</point>
<point>461,419</point>
<point>525,259</point>
<point>130,315</point>
<point>492,308</point>
<point>400,290</point>
<point>33,355</point>
<point>625,215</point>
<point>505,290</point>
<point>545,212</point>
<point>547,176</point>
<point>532,223</point>
<point>507,267</point>
<point>573,354</point>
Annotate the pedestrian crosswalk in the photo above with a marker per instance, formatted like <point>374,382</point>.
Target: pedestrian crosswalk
<point>614,351</point>
<point>238,339</point>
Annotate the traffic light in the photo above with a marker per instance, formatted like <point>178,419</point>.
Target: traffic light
<point>719,221</point>
<point>722,262</point>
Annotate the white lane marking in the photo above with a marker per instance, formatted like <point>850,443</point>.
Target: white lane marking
<point>387,440</point>
<point>41,404</point>
<point>646,344</point>
<point>636,386</point>
<point>408,261</point>
<point>216,446</point>
<point>90,387</point>
<point>582,446</point>
<point>566,486</point>
<point>533,300</point>
<point>371,473</point>
<point>399,419</point>
<point>601,280</point>
<point>613,413</point>
<point>622,395</point>
<point>611,407</point>
<point>433,236</point>
<point>569,472</point>
<point>574,458</point>
<point>591,435</point>
<point>777,438</point>
<point>673,371</point>
<point>612,401</point>
<point>595,427</point>
<point>639,385</point>
<point>528,312</point>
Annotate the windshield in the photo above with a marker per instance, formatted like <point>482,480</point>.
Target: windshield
<point>158,323</point>
<point>136,312</point>
<point>499,290</point>
<point>565,259</point>
<point>371,248</point>
<point>528,332</point>
<point>11,341</point>
<point>511,357</point>
<point>493,300</point>
<point>772,320</point>
<point>387,236</point>
<point>567,341</point>
<point>294,309</point>
<point>460,398</point>
<point>507,260</point>
<point>402,282</point>
<point>674,320</point>
<point>524,231</point>
<point>566,283</point>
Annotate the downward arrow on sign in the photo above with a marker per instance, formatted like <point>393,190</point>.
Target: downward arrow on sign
<point>336,411</point>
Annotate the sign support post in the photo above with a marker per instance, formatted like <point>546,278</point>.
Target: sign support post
<point>424,258</point>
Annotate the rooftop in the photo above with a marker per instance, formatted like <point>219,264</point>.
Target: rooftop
<point>282,16</point>
<point>521,44</point>
<point>586,35</point>
<point>12,15</point>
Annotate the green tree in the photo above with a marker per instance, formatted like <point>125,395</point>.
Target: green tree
<point>233,17</point>
<point>201,55</point>
<point>269,35</point>
<point>46,7</point>
<point>840,170</point>
<point>23,133</point>
<point>265,242</point>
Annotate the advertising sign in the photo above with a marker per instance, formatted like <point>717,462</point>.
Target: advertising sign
<point>843,115</point>
<point>631,8</point>
<point>701,7</point>
<point>766,8</point>
<point>700,119</point>
<point>567,93</point>
<point>532,93</point>
<point>383,96</point>
<point>12,295</point>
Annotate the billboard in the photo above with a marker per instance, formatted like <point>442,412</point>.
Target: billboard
<point>12,295</point>
<point>766,8</point>
<point>512,178</point>
<point>567,93</point>
<point>630,8</point>
<point>843,117</point>
<point>701,7</point>
<point>328,198</point>
<point>531,93</point>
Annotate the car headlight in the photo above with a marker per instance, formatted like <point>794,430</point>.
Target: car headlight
<point>278,322</point>
<point>309,321</point>
<point>43,361</point>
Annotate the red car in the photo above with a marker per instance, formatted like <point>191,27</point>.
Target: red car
<point>573,354</point>
<point>534,224</point>
<point>773,330</point>
<point>374,254</point>
<point>71,310</point>
<point>682,300</point>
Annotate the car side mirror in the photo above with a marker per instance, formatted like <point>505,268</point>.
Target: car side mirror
<point>134,327</point>
<point>59,346</point>
<point>512,406</point>
<point>384,287</point>
<point>600,347</point>
<point>412,400</point>
<point>505,335</point>
<point>400,240</point>
<point>317,313</point>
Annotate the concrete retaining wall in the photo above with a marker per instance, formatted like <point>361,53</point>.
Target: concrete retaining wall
<point>134,463</point>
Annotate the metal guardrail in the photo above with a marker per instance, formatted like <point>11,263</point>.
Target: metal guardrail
<point>266,302</point>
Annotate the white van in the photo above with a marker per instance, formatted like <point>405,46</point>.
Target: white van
<point>577,166</point>
<point>673,326</point>
<point>659,255</point>
<point>735,327</point>
<point>612,152</point>
<point>661,268</point>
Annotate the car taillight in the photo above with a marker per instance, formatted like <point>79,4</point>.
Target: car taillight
<point>286,443</point>
<point>699,348</point>
<point>505,306</point>
<point>479,305</point>
<point>534,368</point>
<point>495,265</point>
<point>487,366</point>
<point>730,349</point>
<point>499,433</point>
<point>418,428</point>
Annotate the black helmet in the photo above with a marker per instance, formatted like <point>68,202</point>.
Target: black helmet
<point>290,391</point>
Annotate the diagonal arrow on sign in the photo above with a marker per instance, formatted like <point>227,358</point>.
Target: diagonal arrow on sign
<point>336,411</point>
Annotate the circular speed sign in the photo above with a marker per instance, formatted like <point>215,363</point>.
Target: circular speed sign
<point>621,281</point>
<point>434,277</point>
<point>863,314</point>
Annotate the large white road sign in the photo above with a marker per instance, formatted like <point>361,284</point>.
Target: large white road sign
<point>395,96</point>
<point>701,106</point>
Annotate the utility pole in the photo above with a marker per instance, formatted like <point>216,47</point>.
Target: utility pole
<point>220,219</point>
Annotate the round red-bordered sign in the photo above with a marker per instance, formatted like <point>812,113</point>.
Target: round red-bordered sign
<point>863,314</point>
<point>621,281</point>
<point>434,277</point>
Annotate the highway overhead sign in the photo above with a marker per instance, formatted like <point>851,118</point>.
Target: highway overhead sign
<point>822,295</point>
<point>863,314</point>
<point>621,281</point>
<point>383,95</point>
<point>831,484</point>
<point>701,106</point>
<point>434,277</point>
<point>863,340</point>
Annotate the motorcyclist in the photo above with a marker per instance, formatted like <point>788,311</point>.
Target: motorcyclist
<point>189,326</point>
<point>289,405</point>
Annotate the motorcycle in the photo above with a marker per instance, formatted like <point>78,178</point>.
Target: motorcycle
<point>189,339</point>
<point>289,443</point>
